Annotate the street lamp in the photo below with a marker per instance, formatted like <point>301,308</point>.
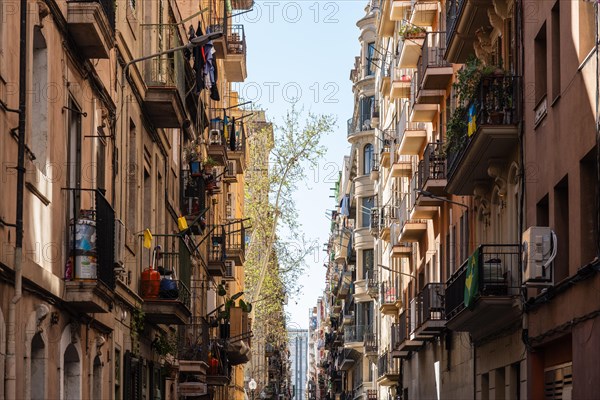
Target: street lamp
<point>252,386</point>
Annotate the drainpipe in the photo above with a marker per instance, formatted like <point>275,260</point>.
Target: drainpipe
<point>10,386</point>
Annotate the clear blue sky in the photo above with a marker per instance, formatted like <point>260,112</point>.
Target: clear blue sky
<point>305,49</point>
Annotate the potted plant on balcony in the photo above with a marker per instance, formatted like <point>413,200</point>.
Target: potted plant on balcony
<point>409,31</point>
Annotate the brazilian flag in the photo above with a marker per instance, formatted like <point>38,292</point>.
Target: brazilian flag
<point>472,279</point>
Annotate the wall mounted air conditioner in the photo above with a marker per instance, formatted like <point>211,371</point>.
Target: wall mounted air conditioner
<point>538,251</point>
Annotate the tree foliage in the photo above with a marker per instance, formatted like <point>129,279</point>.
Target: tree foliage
<point>276,254</point>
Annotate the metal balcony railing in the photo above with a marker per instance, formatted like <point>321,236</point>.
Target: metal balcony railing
<point>432,54</point>
<point>388,293</point>
<point>356,333</point>
<point>167,258</point>
<point>371,342</point>
<point>236,39</point>
<point>400,330</point>
<point>433,164</point>
<point>453,10</point>
<point>194,340</point>
<point>430,304</point>
<point>498,275</point>
<point>387,365</point>
<point>496,102</point>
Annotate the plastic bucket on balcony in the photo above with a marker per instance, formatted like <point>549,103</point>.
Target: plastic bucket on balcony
<point>85,267</point>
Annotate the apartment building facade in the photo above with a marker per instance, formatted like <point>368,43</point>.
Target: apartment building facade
<point>485,238</point>
<point>116,145</point>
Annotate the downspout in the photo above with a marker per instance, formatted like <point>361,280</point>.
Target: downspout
<point>10,371</point>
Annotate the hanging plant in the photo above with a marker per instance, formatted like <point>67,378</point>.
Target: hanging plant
<point>165,344</point>
<point>136,329</point>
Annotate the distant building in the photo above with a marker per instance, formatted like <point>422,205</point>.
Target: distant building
<point>298,346</point>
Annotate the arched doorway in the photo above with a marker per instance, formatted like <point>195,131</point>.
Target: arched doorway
<point>38,368</point>
<point>72,373</point>
<point>97,375</point>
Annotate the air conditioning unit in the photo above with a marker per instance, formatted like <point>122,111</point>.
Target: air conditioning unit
<point>229,266</point>
<point>538,251</point>
<point>119,244</point>
<point>214,136</point>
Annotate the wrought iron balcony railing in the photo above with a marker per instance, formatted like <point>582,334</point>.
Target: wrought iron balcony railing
<point>497,274</point>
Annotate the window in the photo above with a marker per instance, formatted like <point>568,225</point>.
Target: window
<point>117,374</point>
<point>587,206</point>
<point>132,178</point>
<point>39,100</point>
<point>561,227</point>
<point>555,27</point>
<point>367,159</point>
<point>366,105</point>
<point>367,261</point>
<point>541,65</point>
<point>369,59</point>
<point>586,28</point>
<point>74,157</point>
<point>367,205</point>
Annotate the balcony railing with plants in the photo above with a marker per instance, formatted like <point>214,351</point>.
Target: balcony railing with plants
<point>486,97</point>
<point>492,271</point>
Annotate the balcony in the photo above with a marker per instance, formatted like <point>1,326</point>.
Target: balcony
<point>401,249</point>
<point>91,24</point>
<point>166,291</point>
<point>411,228</point>
<point>237,148</point>
<point>388,370</point>
<point>371,344</point>
<point>430,318</point>
<point>218,373</point>
<point>494,276</point>
<point>402,167</point>
<point>432,173</point>
<point>89,273</point>
<point>409,49</point>
<point>402,342</point>
<point>193,200</point>
<point>386,153</point>
<point>344,284</point>
<point>359,128</point>
<point>373,284</point>
<point>346,359</point>
<point>491,137</point>
<point>164,78</point>
<point>433,72</point>
<point>389,299</point>
<point>354,336</point>
<point>463,19</point>
<point>413,138</point>
<point>389,215</point>
<point>399,9</point>
<point>386,77</point>
<point>217,142</point>
<point>242,4</point>
<point>235,59</point>
<point>400,87</point>
<point>216,250</point>
<point>424,12</point>
<point>235,241</point>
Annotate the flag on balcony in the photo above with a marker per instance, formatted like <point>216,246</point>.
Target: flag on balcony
<point>472,127</point>
<point>472,279</point>
<point>147,238</point>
